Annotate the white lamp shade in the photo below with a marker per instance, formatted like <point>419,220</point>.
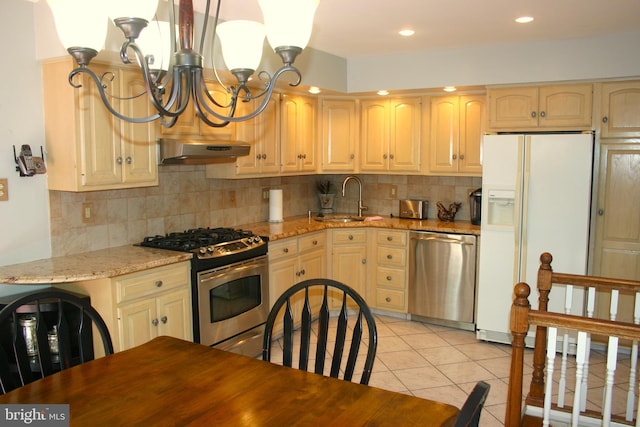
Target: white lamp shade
<point>288,22</point>
<point>155,40</point>
<point>80,23</point>
<point>242,43</point>
<point>145,9</point>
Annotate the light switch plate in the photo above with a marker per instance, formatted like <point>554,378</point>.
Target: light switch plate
<point>4,189</point>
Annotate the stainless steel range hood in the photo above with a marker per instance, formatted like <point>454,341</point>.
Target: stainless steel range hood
<point>200,151</point>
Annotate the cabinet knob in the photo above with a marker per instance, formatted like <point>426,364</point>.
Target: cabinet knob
<point>389,256</point>
<point>353,156</point>
<point>158,283</point>
<point>303,272</point>
<point>389,238</point>
<point>543,114</point>
<point>298,274</point>
<point>264,156</point>
<point>384,156</point>
<point>455,156</point>
<point>285,250</point>
<point>314,243</point>
<point>350,236</point>
<point>391,156</point>
<point>119,160</point>
<point>461,156</point>
<point>387,299</point>
<point>600,212</point>
<point>605,119</point>
<point>129,160</point>
<point>258,156</point>
<point>304,156</point>
<point>364,260</point>
<point>163,319</point>
<point>154,322</point>
<point>389,278</point>
<point>533,114</point>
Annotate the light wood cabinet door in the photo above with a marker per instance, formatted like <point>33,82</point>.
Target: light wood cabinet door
<point>390,135</point>
<point>263,133</point>
<point>135,323</point>
<point>339,134</point>
<point>174,314</point>
<point>620,105</point>
<point>553,107</point>
<point>617,226</point>
<point>298,131</point>
<point>457,126</point>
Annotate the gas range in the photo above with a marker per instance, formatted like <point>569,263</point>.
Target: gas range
<point>212,247</point>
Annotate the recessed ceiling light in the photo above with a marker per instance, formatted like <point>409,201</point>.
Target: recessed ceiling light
<point>314,90</point>
<point>449,88</point>
<point>407,32</point>
<point>524,19</point>
<point>383,92</point>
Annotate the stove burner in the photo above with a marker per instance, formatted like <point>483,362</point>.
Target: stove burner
<point>195,238</point>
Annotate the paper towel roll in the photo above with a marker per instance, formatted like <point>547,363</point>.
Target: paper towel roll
<point>275,205</point>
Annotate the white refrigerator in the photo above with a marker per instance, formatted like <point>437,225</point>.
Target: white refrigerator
<point>536,197</point>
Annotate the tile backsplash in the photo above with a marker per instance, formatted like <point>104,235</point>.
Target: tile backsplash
<point>186,199</point>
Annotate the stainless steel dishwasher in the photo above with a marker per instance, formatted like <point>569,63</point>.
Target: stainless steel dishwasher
<point>442,278</point>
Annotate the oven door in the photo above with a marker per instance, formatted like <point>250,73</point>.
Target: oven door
<point>232,299</point>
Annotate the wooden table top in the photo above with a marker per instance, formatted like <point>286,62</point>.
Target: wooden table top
<point>170,382</point>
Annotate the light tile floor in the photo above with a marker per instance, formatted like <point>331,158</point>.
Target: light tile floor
<point>440,363</point>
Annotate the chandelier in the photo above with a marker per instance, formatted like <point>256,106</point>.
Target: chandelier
<point>171,85</point>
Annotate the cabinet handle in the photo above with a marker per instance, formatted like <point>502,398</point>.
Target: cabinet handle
<point>299,156</point>
<point>461,156</point>
<point>543,114</point>
<point>389,256</point>
<point>454,156</point>
<point>298,274</point>
<point>129,160</point>
<point>389,238</point>
<point>285,250</point>
<point>163,319</point>
<point>605,119</point>
<point>314,243</point>
<point>384,156</point>
<point>533,114</point>
<point>154,322</point>
<point>304,156</point>
<point>387,299</point>
<point>158,283</point>
<point>264,156</point>
<point>391,156</point>
<point>389,278</point>
<point>258,156</point>
<point>350,237</point>
<point>303,272</point>
<point>119,160</point>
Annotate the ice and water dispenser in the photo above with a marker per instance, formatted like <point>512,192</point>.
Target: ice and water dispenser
<point>500,207</point>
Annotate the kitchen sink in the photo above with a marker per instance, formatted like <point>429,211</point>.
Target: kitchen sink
<point>339,218</point>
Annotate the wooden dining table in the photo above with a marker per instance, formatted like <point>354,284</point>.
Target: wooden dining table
<point>171,382</point>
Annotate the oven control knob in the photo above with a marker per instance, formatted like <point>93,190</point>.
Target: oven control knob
<point>203,251</point>
<point>210,249</point>
<point>257,239</point>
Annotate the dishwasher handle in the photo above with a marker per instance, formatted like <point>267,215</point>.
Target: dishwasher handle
<point>440,239</point>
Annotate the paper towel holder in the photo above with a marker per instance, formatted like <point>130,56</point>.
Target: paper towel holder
<point>275,205</point>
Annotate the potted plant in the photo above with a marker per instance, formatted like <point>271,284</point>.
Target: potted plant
<point>326,195</point>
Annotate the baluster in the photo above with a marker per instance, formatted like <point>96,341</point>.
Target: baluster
<point>568,300</point>
<point>581,351</point>
<point>552,334</point>
<point>612,359</point>
<point>634,365</point>
<point>591,303</point>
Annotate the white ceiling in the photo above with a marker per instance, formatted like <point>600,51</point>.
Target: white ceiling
<point>357,28</point>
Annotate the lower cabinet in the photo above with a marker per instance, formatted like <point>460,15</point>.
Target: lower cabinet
<point>140,306</point>
<point>391,270</point>
<point>349,258</point>
<point>294,260</point>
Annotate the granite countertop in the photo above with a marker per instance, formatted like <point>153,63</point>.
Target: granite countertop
<point>295,226</point>
<point>121,260</point>
<point>99,264</point>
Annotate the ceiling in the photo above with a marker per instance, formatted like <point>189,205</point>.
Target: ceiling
<point>357,28</point>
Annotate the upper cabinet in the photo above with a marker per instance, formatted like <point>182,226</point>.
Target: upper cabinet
<point>263,133</point>
<point>189,124</point>
<point>299,133</point>
<point>88,148</point>
<point>457,126</point>
<point>339,134</point>
<point>390,136</point>
<point>556,107</point>
<point>620,109</point>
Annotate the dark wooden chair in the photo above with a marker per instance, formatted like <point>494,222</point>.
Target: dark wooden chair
<point>314,298</point>
<point>27,355</point>
<point>470,412</point>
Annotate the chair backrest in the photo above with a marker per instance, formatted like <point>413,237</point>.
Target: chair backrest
<point>314,299</point>
<point>45,332</point>
<point>469,415</point>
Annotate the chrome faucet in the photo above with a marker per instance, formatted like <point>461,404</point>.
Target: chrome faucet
<point>344,186</point>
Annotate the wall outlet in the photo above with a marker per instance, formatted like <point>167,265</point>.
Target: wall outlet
<point>265,194</point>
<point>4,189</point>
<point>87,212</point>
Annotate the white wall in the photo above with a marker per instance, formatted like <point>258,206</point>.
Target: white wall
<point>25,217</point>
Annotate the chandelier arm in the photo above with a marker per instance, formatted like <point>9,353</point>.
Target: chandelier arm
<point>205,24</point>
<point>204,91</point>
<point>213,48</point>
<point>201,106</point>
<point>104,98</point>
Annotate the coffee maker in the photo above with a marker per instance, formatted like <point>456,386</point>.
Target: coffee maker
<point>475,206</point>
